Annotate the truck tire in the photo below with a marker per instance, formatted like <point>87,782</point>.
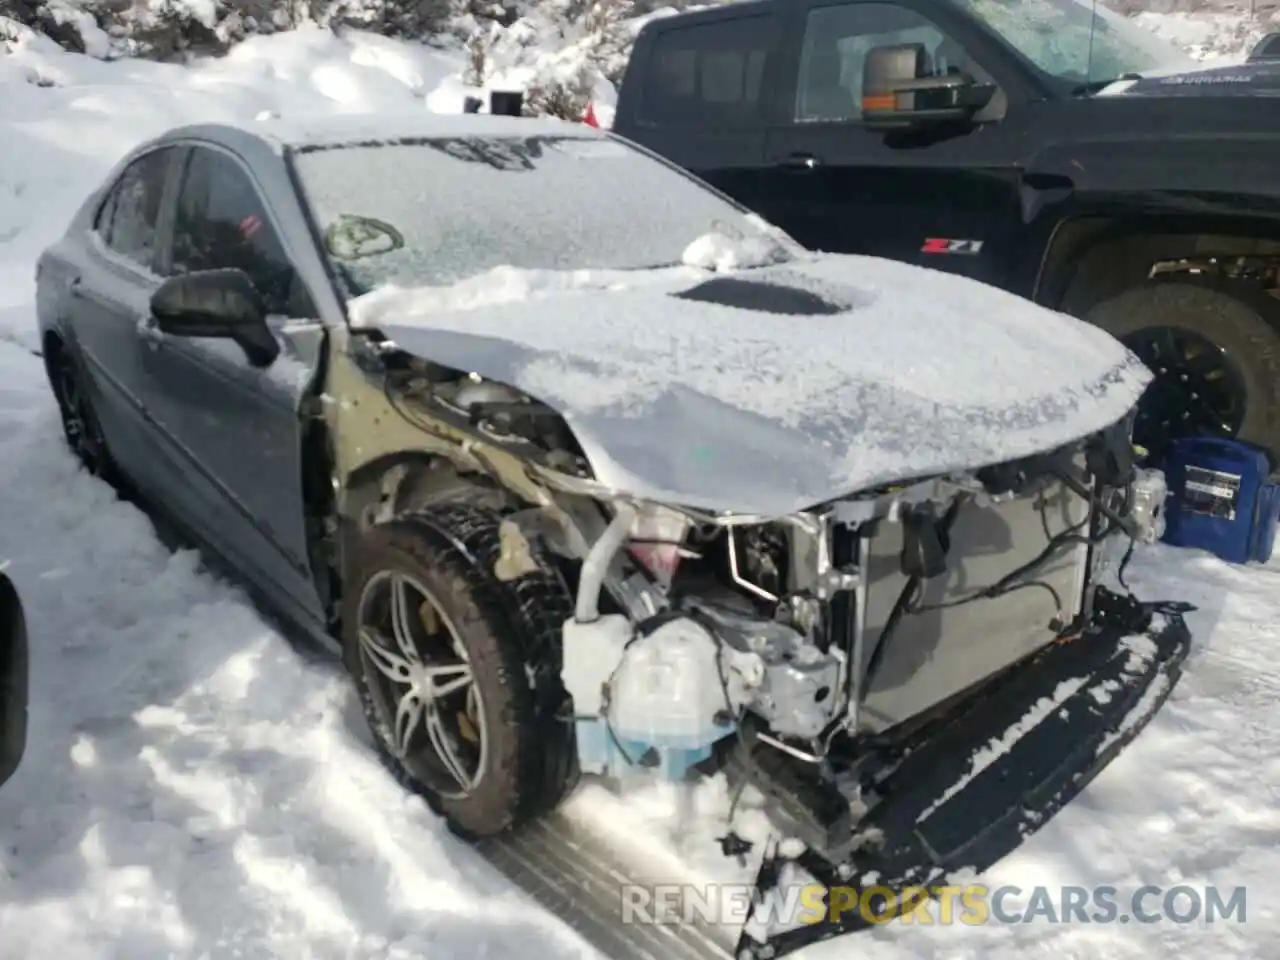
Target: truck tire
<point>513,722</point>
<point>1250,347</point>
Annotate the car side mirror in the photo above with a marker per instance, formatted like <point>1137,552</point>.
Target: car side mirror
<point>14,679</point>
<point>216,303</point>
<point>897,93</point>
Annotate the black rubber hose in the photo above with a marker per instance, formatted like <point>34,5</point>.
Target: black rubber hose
<point>904,599</point>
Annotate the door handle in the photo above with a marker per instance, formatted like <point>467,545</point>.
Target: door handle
<point>152,335</point>
<point>799,161</point>
<point>73,287</point>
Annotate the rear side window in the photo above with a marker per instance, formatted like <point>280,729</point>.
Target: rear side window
<point>128,220</point>
<point>709,75</point>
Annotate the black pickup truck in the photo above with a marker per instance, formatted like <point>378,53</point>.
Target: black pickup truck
<point>1049,147</point>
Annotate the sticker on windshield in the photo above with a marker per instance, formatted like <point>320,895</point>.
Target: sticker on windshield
<point>353,238</point>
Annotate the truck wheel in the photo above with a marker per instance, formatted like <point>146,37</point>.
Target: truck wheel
<point>1216,362</point>
<point>459,672</point>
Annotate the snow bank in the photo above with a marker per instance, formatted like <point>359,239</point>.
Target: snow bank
<point>1218,37</point>
<point>65,119</point>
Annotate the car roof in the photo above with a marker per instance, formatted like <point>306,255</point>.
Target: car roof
<point>330,130</point>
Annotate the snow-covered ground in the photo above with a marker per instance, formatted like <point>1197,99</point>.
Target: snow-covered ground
<point>1217,36</point>
<point>194,789</point>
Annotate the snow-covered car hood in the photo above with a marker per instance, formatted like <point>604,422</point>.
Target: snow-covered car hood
<point>774,389</point>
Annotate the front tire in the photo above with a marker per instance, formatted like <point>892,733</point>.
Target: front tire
<point>459,672</point>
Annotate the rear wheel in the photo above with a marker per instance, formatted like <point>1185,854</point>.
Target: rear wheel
<point>80,425</point>
<point>1215,360</point>
<point>458,671</point>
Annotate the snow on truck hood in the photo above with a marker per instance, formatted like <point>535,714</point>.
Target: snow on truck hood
<point>774,389</point>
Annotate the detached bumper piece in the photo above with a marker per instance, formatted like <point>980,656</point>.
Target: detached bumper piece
<point>975,782</point>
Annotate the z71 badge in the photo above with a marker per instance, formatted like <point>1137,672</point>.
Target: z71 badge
<point>942,245</point>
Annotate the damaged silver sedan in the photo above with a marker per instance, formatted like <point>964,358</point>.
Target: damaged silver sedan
<point>589,474</point>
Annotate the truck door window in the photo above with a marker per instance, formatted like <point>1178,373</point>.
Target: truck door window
<point>836,42</point>
<point>708,75</point>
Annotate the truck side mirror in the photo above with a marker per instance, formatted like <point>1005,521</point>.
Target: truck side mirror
<point>898,94</point>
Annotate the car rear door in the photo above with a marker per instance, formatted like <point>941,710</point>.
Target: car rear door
<point>109,283</point>
<point>695,94</point>
<point>235,427</point>
<point>947,200</point>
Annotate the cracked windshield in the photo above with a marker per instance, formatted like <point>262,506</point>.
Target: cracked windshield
<point>1080,42</point>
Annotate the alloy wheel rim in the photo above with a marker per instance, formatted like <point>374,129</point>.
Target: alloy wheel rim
<point>423,687</point>
<point>1196,390</point>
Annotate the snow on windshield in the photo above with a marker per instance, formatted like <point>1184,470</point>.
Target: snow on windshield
<point>500,285</point>
<point>433,212</point>
<point>714,251</point>
<point>1076,40</point>
<point>723,250</point>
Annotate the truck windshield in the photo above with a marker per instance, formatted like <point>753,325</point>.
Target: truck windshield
<point>1079,41</point>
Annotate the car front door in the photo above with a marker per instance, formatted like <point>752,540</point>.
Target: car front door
<point>235,427</point>
<point>946,199</point>
<point>110,288</point>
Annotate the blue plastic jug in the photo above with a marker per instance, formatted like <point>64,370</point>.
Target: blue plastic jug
<point>1221,498</point>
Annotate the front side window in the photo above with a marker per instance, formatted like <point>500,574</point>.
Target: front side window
<point>221,223</point>
<point>128,220</point>
<point>435,211</point>
<point>710,74</point>
<point>837,40</point>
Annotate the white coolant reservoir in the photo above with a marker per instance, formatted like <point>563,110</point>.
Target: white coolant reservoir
<point>592,652</point>
<point>667,704</point>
